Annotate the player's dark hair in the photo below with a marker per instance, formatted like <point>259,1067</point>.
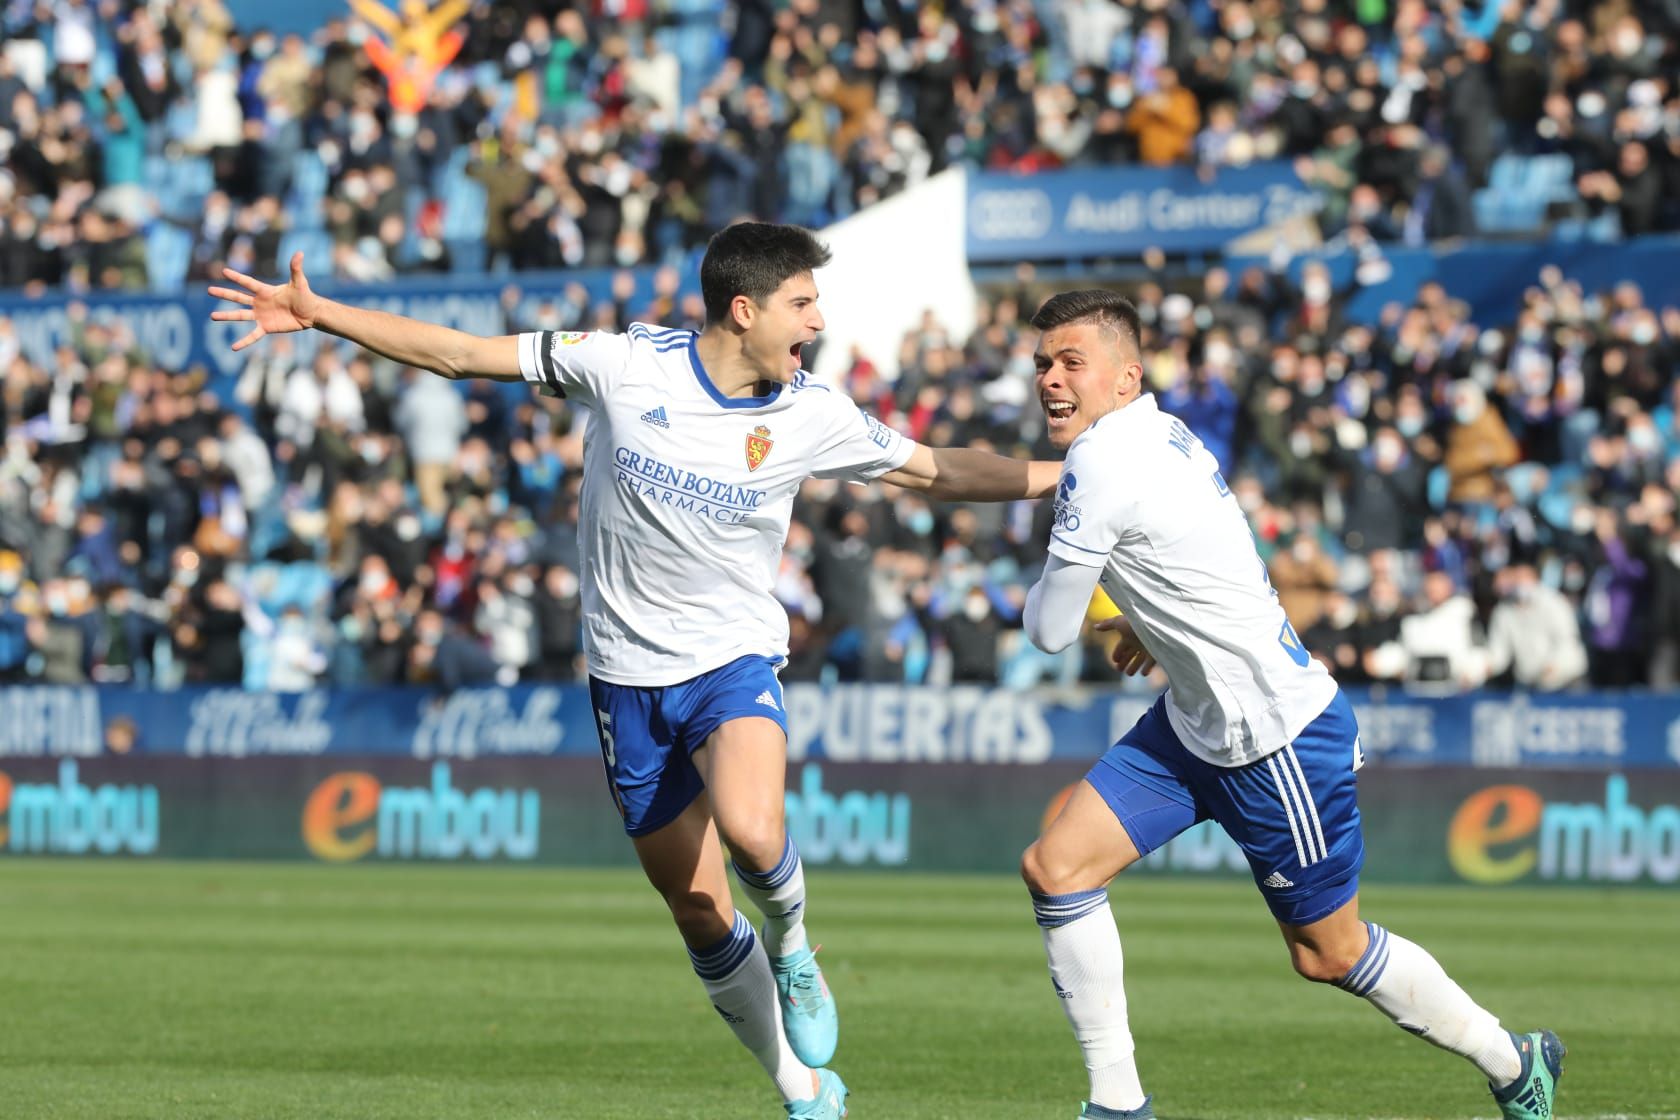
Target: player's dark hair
<point>753,259</point>
<point>1091,305</point>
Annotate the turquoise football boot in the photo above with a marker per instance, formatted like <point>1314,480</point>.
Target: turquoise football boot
<point>809,1020</point>
<point>1097,1112</point>
<point>828,1104</point>
<point>1532,1094</point>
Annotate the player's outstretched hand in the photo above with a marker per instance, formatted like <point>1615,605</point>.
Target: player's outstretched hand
<point>1130,657</point>
<point>274,308</point>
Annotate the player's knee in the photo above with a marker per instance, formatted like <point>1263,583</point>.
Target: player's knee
<point>1322,964</point>
<point>1044,873</point>
<point>757,843</point>
<point>698,915</point>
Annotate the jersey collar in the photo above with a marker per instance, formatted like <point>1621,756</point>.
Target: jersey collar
<point>705,380</point>
<point>1144,404</point>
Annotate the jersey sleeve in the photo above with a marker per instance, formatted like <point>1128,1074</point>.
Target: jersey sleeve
<point>1090,508</point>
<point>581,365</point>
<point>854,446</point>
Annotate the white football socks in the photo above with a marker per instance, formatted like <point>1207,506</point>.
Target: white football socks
<point>1411,988</point>
<point>1088,970</point>
<point>779,894</point>
<point>738,980</point>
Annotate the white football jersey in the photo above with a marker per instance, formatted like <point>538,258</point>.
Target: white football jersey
<point>687,495</point>
<point>1143,498</point>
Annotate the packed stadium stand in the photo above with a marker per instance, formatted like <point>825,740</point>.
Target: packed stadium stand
<point>1442,501</point>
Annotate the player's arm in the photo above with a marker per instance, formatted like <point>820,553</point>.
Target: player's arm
<point>281,308</point>
<point>963,474</point>
<point>1056,603</point>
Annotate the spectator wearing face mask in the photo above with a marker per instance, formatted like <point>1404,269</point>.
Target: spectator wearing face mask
<point>1205,402</point>
<point>1533,634</point>
<point>1439,641</point>
<point>1304,578</point>
<point>1479,444</point>
<point>63,639</point>
<point>1385,495</point>
<point>1165,121</point>
<point>295,659</point>
<point>559,614</point>
<point>1615,604</point>
<point>506,616</point>
<point>971,634</point>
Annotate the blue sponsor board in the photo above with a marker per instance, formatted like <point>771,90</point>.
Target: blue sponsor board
<point>1106,212</point>
<point>845,724</point>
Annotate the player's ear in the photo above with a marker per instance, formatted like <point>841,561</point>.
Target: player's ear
<point>742,311</point>
<point>1131,379</point>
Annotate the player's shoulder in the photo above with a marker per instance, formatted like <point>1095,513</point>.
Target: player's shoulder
<point>663,340</point>
<point>807,383</point>
<point>805,395</point>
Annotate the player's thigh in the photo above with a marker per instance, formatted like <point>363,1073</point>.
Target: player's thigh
<point>744,766</point>
<point>737,727</point>
<point>683,859</point>
<point>1084,847</point>
<point>1135,799</point>
<point>651,777</point>
<point>1295,814</point>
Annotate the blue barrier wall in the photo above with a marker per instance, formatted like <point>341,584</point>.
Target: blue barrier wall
<point>847,724</point>
<point>1491,277</point>
<point>177,332</point>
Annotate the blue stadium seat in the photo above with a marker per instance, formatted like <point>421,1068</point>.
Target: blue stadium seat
<point>1440,483</point>
<point>316,246</point>
<point>466,254</point>
<point>1519,190</point>
<point>193,175</point>
<point>168,255</point>
<point>309,187</point>
<point>463,206</point>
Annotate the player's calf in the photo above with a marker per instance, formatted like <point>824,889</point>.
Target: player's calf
<point>738,982</point>
<point>808,1013</point>
<point>1406,983</point>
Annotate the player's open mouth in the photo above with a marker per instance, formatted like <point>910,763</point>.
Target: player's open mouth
<point>1059,410</point>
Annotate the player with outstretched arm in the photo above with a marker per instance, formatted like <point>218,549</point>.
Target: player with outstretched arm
<point>697,445</point>
<point>1252,732</point>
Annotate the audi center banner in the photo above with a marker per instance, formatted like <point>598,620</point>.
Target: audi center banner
<point>1081,214</point>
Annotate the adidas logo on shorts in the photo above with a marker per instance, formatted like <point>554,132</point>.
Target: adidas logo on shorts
<point>1275,881</point>
<point>769,701</point>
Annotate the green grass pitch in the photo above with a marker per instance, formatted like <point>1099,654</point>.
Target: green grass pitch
<point>287,991</point>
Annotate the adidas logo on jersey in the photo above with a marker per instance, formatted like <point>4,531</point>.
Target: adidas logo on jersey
<point>656,416</point>
<point>769,701</point>
<point>1275,881</point>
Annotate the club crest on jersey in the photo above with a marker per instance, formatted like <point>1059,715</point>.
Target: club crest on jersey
<point>759,444</point>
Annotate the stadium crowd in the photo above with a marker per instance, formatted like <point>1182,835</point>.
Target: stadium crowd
<point>627,133</point>
<point>1439,503</point>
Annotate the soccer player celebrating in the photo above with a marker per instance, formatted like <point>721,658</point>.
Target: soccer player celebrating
<point>697,446</point>
<point>1251,732</point>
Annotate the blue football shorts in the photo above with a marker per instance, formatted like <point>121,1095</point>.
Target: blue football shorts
<point>650,733</point>
<point>1295,814</point>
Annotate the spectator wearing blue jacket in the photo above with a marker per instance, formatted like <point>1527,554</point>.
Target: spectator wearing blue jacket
<point>1208,408</point>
